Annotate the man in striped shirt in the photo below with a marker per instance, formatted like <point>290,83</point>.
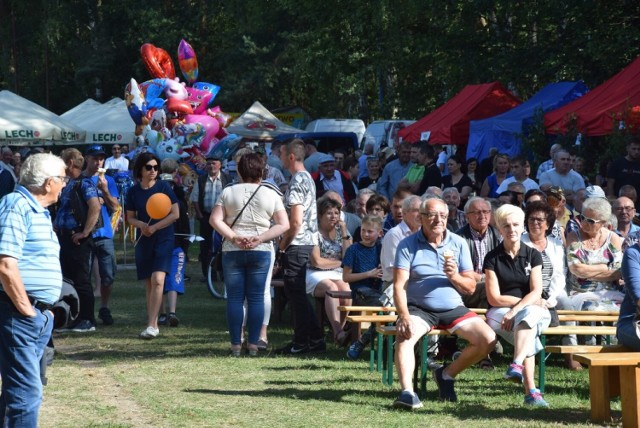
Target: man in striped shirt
<point>31,281</point>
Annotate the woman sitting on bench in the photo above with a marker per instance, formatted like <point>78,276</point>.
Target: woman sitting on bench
<point>324,271</point>
<point>517,312</point>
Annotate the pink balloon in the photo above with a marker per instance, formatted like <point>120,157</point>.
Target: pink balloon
<point>210,125</point>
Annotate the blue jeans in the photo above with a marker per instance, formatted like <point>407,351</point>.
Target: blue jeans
<point>245,275</point>
<point>105,253</point>
<point>22,343</point>
<point>626,334</point>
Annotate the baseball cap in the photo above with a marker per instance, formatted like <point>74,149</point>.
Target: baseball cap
<point>326,158</point>
<point>94,150</point>
<point>594,192</point>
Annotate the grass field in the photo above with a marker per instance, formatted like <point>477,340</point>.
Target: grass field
<point>184,378</point>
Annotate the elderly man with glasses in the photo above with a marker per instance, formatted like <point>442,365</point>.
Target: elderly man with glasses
<point>117,161</point>
<point>31,281</point>
<point>433,268</point>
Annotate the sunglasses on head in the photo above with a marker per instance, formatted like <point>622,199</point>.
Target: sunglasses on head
<point>152,167</point>
<point>588,220</point>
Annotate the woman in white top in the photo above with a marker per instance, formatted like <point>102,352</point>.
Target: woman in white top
<point>247,249</point>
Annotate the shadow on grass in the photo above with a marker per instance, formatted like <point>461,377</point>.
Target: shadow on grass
<point>331,395</point>
<point>461,411</point>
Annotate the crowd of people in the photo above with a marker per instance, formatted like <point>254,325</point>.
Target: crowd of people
<point>415,227</point>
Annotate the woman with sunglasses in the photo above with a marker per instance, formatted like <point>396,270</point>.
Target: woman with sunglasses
<point>539,219</point>
<point>594,256</point>
<point>155,248</point>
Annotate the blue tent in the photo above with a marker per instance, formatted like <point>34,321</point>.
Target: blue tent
<point>503,131</point>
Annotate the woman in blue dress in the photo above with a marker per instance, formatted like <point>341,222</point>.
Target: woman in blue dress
<point>155,246</point>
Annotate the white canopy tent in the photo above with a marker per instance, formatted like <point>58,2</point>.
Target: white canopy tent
<point>23,123</point>
<point>103,123</point>
<point>258,122</point>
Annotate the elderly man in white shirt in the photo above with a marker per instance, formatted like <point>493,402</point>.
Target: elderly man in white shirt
<point>409,225</point>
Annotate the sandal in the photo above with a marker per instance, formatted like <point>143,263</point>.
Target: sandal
<point>342,338</point>
<point>486,364</point>
<point>263,344</point>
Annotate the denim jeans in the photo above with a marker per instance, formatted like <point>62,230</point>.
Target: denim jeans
<point>22,343</point>
<point>105,253</point>
<point>245,275</point>
<point>627,334</point>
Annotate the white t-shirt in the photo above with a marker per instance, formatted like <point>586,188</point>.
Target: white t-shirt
<point>528,185</point>
<point>121,163</point>
<point>256,218</point>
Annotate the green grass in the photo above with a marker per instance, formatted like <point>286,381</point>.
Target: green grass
<point>184,378</point>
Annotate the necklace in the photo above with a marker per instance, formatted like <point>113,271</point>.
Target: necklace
<point>593,243</point>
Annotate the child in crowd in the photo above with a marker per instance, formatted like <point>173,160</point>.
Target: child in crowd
<point>361,269</point>
<point>377,205</point>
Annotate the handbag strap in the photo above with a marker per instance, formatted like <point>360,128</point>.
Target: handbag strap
<point>245,206</point>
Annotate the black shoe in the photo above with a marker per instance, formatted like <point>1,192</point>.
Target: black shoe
<point>187,278</point>
<point>162,319</point>
<point>173,319</point>
<point>293,349</point>
<point>445,387</point>
<point>105,315</point>
<point>317,345</point>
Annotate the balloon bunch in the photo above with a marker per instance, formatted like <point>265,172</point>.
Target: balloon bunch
<point>177,120</point>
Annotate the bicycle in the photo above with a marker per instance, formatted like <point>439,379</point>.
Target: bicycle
<point>216,288</point>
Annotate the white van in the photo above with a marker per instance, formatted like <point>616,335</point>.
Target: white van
<point>384,133</point>
<point>338,125</point>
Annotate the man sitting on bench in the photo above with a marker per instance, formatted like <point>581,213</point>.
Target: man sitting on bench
<point>628,330</point>
<point>432,269</point>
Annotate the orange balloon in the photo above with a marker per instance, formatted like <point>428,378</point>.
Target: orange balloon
<point>158,206</point>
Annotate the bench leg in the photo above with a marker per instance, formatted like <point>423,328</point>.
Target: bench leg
<point>424,359</point>
<point>542,364</point>
<point>389,372</point>
<point>600,393</point>
<point>379,348</point>
<point>629,395</point>
<point>372,351</point>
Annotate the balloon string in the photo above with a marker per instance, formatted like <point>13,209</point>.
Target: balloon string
<point>138,240</point>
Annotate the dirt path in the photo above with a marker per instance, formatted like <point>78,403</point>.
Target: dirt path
<point>58,409</point>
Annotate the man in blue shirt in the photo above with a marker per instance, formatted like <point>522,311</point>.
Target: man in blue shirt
<point>394,171</point>
<point>31,281</point>
<point>103,248</point>
<point>433,268</point>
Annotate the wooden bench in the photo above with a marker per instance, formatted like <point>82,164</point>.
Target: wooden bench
<point>612,374</point>
<point>389,332</point>
<point>319,305</point>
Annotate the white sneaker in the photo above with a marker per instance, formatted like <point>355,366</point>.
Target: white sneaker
<point>149,333</point>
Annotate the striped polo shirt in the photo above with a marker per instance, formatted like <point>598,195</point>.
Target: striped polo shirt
<point>26,234</point>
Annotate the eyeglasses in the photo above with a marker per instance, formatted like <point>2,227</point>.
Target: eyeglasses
<point>624,209</point>
<point>434,215</point>
<point>537,219</point>
<point>62,178</point>
<point>152,167</point>
<point>480,212</point>
<point>588,220</point>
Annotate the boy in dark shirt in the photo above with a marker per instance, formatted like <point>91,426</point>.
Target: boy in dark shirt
<point>361,269</point>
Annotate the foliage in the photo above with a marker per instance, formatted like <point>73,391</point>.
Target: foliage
<point>373,60</point>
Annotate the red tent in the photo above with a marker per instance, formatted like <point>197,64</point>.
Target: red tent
<point>449,124</point>
<point>595,110</point>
